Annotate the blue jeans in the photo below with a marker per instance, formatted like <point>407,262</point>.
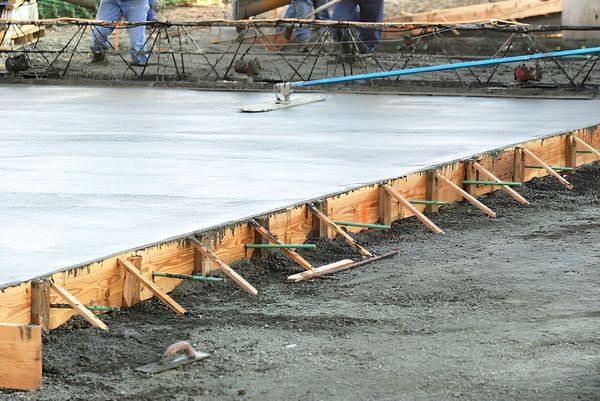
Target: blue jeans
<point>300,8</point>
<point>369,11</point>
<point>112,11</point>
<point>151,11</point>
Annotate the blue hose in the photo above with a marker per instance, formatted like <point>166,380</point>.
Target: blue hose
<point>444,67</point>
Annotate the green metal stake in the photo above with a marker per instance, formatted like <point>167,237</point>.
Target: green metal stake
<point>553,168</point>
<point>352,224</point>
<point>508,184</point>
<point>284,246</point>
<point>187,277</point>
<point>90,307</point>
<point>424,202</point>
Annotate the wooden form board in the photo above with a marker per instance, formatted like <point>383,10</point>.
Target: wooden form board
<point>101,283</point>
<point>503,10</point>
<point>20,356</point>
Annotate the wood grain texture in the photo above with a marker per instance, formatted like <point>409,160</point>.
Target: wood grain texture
<point>79,307</point>
<point>134,271</point>
<point>503,10</point>
<point>20,356</point>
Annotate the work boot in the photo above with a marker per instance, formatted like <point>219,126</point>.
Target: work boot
<point>99,58</point>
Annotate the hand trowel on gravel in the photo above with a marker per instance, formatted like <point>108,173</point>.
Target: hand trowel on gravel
<point>179,354</point>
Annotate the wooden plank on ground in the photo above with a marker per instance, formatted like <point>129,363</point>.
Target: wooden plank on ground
<point>548,169</point>
<point>295,278</point>
<point>355,245</point>
<point>78,306</point>
<point>467,196</point>
<point>166,299</point>
<point>514,194</point>
<point>502,10</point>
<point>239,280</point>
<point>289,252</point>
<point>20,356</point>
<point>405,203</point>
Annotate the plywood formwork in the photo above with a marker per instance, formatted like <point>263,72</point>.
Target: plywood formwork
<point>502,10</point>
<point>102,282</point>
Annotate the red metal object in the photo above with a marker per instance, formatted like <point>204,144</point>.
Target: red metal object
<point>527,74</point>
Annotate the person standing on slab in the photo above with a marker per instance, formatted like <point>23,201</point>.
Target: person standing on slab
<point>368,11</point>
<point>112,11</point>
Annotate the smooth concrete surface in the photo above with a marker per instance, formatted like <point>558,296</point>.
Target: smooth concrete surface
<point>86,172</point>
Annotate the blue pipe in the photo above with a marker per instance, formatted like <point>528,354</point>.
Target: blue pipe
<point>444,67</point>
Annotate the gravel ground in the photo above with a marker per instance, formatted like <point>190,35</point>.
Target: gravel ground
<point>503,308</point>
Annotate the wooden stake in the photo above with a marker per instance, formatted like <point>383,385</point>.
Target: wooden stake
<point>467,196</point>
<point>515,195</point>
<point>295,278</point>
<point>268,235</point>
<point>78,306</point>
<point>131,285</point>
<point>385,206</point>
<point>587,146</point>
<point>470,175</point>
<point>20,356</point>
<point>40,303</point>
<point>338,230</point>
<point>166,299</point>
<point>239,280</point>
<point>548,169</point>
<point>519,166</point>
<point>571,159</point>
<point>431,191</point>
<point>405,203</point>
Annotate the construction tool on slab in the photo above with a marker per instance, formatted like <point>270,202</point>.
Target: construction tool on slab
<point>179,354</point>
<point>284,90</point>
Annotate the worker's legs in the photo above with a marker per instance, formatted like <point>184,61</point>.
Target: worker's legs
<point>109,10</point>
<point>151,11</point>
<point>343,11</point>
<point>301,8</point>
<point>370,11</point>
<point>136,11</point>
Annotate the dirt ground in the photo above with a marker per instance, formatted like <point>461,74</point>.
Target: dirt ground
<point>503,308</point>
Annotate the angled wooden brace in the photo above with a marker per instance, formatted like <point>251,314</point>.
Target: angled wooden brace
<point>405,203</point>
<point>587,146</point>
<point>514,194</point>
<point>136,274</point>
<point>268,235</point>
<point>321,216</point>
<point>548,169</point>
<point>78,306</point>
<point>224,267</point>
<point>467,196</point>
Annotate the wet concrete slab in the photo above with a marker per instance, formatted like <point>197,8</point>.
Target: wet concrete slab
<point>86,172</point>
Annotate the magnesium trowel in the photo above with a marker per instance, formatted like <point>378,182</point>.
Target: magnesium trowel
<point>179,354</point>
<point>283,91</point>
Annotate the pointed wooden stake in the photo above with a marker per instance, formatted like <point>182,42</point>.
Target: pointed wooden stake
<point>405,203</point>
<point>467,196</point>
<point>239,280</point>
<point>587,146</point>
<point>548,169</point>
<point>268,235</point>
<point>515,195</point>
<point>321,216</point>
<point>78,306</point>
<point>166,299</point>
